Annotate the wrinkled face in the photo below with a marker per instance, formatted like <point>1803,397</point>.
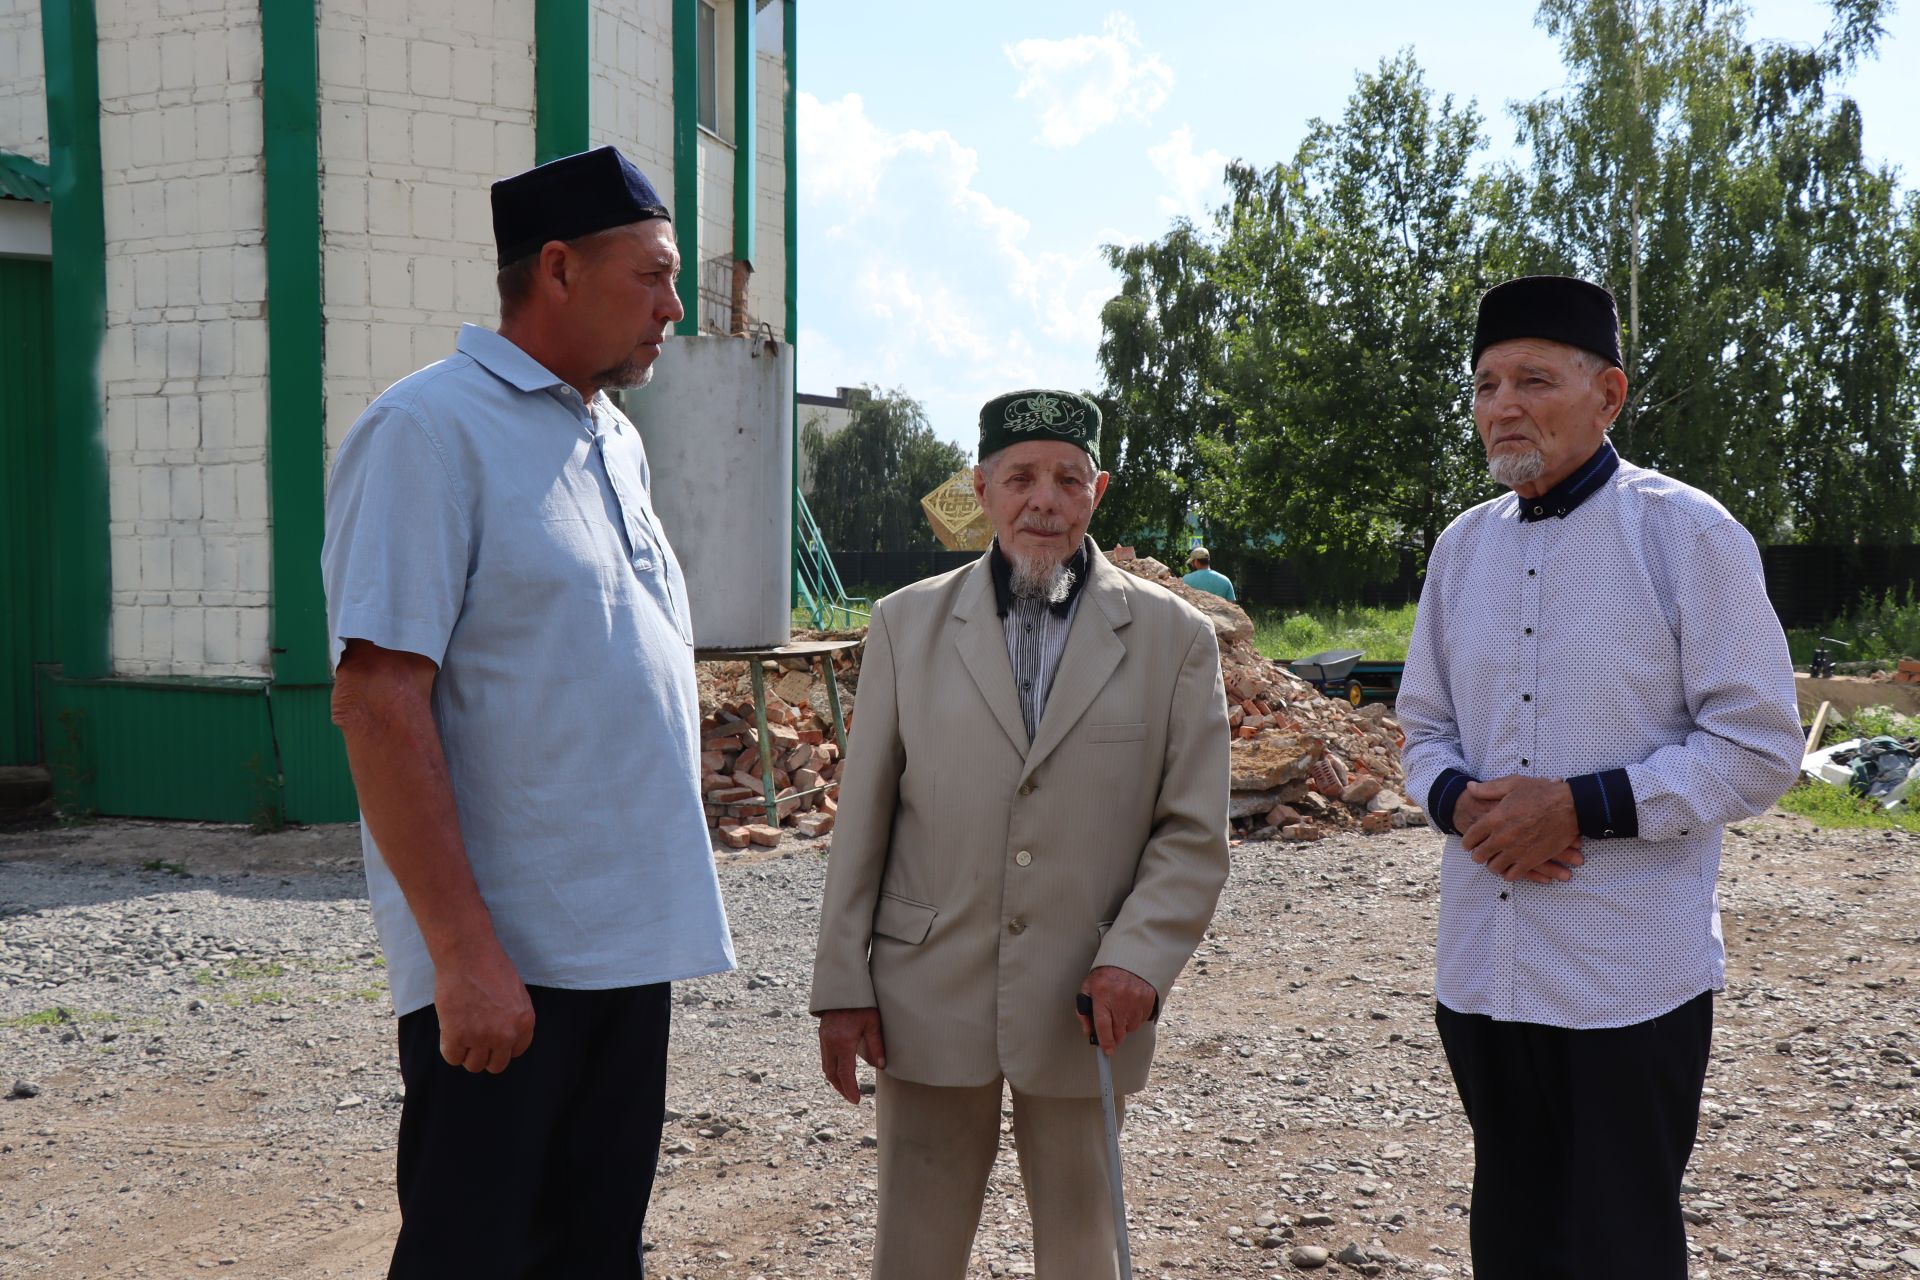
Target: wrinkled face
<point>1542,409</point>
<point>623,302</point>
<point>1040,495</point>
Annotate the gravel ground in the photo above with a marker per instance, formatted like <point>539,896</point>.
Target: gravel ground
<point>193,1025</point>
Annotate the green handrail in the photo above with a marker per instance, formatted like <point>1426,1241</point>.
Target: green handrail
<point>816,582</point>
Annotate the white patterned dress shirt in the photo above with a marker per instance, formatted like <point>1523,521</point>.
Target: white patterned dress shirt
<point>1615,632</point>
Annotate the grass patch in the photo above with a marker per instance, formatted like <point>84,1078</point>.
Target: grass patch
<point>1837,807</point>
<point>1381,634</point>
<point>1875,722</point>
<point>239,971</point>
<point>58,1016</point>
<point>1883,630</point>
<point>161,864</point>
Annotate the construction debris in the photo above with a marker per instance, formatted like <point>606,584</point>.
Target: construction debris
<point>1304,765</point>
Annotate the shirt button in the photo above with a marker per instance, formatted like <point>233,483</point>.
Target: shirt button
<point>1607,832</point>
<point>1523,762</point>
<point>1503,895</point>
<point>1526,697</point>
<point>1539,511</point>
<point>1016,925</point>
<point>1530,573</point>
<point>1529,630</point>
<point>1024,858</point>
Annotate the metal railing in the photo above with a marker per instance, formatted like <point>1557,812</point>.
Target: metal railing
<point>816,584</point>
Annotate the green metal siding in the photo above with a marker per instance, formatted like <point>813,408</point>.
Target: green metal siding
<point>312,756</point>
<point>83,569</point>
<point>26,461</point>
<point>162,749</point>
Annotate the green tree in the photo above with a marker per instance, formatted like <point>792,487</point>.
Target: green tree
<point>1717,186</point>
<point>1302,371</point>
<point>868,478</point>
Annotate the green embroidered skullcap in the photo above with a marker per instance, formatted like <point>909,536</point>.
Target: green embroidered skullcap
<point>1019,416</point>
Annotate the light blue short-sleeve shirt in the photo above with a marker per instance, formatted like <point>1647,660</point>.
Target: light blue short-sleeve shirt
<point>481,515</point>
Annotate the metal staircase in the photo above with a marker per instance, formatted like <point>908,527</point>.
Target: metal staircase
<point>816,584</point>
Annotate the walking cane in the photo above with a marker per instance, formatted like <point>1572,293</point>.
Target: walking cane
<point>1084,1003</point>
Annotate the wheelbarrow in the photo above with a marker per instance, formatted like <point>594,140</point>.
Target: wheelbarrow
<point>1332,673</point>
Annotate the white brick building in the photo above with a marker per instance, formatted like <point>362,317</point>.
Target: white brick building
<point>264,212</point>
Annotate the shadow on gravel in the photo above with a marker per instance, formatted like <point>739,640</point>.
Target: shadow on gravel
<point>66,863</point>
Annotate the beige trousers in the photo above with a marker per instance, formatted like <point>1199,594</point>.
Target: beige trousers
<point>937,1146</point>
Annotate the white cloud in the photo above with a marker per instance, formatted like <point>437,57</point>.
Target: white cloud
<point>1196,178</point>
<point>925,281</point>
<point>1084,83</point>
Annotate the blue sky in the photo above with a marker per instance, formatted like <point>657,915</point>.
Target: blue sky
<point>960,166</point>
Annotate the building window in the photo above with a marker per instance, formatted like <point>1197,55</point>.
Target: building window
<point>707,72</point>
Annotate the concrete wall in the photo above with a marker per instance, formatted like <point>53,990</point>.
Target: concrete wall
<point>23,82</point>
<point>423,104</point>
<point>184,367</point>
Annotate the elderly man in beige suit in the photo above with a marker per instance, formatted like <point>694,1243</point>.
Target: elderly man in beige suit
<point>1035,806</point>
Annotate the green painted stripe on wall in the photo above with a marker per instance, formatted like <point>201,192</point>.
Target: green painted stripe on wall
<point>791,47</point>
<point>746,130</point>
<point>296,404</point>
<point>686,155</point>
<point>83,566</point>
<point>561,78</point>
<point>27,428</point>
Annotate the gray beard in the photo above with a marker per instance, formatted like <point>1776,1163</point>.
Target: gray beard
<point>1046,580</point>
<point>1516,469</point>
<point>627,376</point>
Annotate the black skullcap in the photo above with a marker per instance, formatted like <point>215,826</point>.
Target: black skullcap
<point>568,198</point>
<point>1040,415</point>
<point>1554,308</point>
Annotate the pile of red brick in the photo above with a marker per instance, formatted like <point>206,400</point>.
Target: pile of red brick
<point>1908,672</point>
<point>806,765</point>
<point>1304,765</point>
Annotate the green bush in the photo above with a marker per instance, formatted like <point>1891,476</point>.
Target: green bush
<point>1883,630</point>
<point>1381,634</point>
<point>1832,806</point>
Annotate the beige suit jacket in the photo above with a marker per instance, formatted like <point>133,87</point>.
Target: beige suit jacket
<point>974,879</point>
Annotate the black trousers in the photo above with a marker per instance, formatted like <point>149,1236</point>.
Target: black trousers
<point>545,1169</point>
<point>1580,1139</point>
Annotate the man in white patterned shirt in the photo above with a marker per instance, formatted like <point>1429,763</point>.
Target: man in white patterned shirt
<point>1595,687</point>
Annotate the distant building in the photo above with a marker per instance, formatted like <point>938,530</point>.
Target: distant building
<point>832,414</point>
<point>243,220</point>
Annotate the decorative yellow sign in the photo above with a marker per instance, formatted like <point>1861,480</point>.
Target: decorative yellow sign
<point>956,516</point>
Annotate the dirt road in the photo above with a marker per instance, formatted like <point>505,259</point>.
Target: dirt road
<point>194,1021</point>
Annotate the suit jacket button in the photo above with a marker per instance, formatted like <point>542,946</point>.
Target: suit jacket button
<point>1023,858</point>
<point>1026,788</point>
<point>1016,925</point>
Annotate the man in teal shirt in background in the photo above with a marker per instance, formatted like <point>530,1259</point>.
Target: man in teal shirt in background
<point>1203,578</point>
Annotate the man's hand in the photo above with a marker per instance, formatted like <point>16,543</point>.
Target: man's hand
<point>842,1033</point>
<point>1530,831</point>
<point>486,1017</point>
<point>1122,1003</point>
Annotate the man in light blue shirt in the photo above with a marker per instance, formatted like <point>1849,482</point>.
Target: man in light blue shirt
<point>1596,685</point>
<point>1204,578</point>
<point>514,680</point>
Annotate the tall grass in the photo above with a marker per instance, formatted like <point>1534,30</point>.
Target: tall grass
<point>1882,630</point>
<point>1381,634</point>
<point>1832,806</point>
